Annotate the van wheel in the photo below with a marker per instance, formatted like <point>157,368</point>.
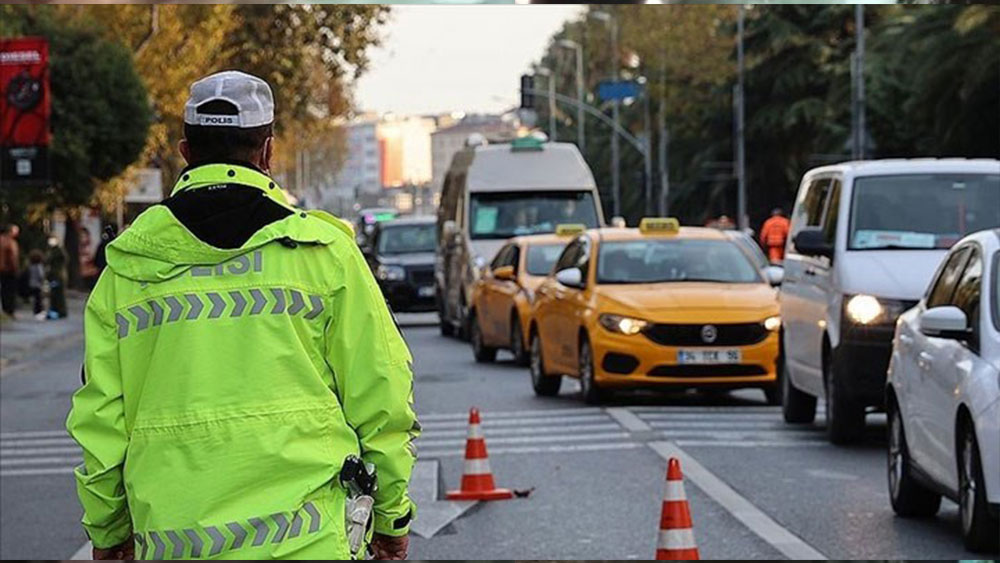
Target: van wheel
<point>480,351</point>
<point>908,497</point>
<point>845,418</point>
<point>521,356</point>
<point>544,385</point>
<point>979,527</point>
<point>797,406</point>
<point>589,389</point>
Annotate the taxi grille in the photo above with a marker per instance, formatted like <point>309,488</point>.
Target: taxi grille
<point>719,370</point>
<point>690,334</point>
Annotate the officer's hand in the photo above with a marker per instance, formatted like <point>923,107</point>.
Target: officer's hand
<point>124,551</point>
<point>389,547</point>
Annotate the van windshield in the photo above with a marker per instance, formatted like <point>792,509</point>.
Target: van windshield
<point>922,211</point>
<point>509,214</point>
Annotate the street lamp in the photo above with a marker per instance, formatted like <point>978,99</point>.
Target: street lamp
<point>545,71</point>
<point>612,24</point>
<point>581,135</point>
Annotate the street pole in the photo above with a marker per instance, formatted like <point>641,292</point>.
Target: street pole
<point>553,133</point>
<point>615,172</point>
<point>858,67</point>
<point>741,202</point>
<point>648,156</point>
<point>581,134</point>
<point>664,168</point>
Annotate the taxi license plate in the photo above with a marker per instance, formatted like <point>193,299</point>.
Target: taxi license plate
<point>708,356</point>
<point>426,291</point>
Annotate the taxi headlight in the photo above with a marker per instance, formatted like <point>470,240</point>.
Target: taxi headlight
<point>772,324</point>
<point>622,324</point>
<point>390,273</point>
<point>863,309</point>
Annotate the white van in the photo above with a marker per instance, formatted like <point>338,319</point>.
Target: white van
<point>494,192</point>
<point>865,239</point>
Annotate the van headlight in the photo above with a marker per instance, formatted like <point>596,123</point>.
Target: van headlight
<point>772,324</point>
<point>622,324</point>
<point>390,273</point>
<point>863,309</point>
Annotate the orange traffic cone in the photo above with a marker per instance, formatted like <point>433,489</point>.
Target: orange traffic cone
<point>676,539</point>
<point>477,480</point>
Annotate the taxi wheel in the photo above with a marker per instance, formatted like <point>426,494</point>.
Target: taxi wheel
<point>481,352</point>
<point>773,395</point>
<point>521,356</point>
<point>544,385</point>
<point>907,496</point>
<point>591,391</point>
<point>979,527</point>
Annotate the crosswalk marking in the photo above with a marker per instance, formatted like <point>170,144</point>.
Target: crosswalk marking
<point>529,439</point>
<point>731,427</point>
<point>30,453</point>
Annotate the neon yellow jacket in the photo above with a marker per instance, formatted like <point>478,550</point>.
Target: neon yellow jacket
<point>225,386</point>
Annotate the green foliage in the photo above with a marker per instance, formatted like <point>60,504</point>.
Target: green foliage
<point>100,111</point>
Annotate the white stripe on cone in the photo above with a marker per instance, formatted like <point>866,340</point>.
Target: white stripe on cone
<point>676,539</point>
<point>675,491</point>
<point>474,432</point>
<point>477,466</point>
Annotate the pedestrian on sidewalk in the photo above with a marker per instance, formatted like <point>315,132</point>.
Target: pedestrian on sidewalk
<point>55,263</point>
<point>36,281</point>
<point>774,234</point>
<point>240,351</point>
<point>10,264</point>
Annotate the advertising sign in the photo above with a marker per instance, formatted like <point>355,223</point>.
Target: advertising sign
<point>25,108</point>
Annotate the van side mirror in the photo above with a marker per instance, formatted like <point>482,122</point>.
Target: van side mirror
<point>570,277</point>
<point>945,322</point>
<point>504,273</point>
<point>775,275</point>
<point>811,241</point>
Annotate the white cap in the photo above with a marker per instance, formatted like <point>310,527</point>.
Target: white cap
<point>252,97</point>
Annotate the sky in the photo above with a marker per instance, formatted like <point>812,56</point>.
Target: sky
<point>438,59</point>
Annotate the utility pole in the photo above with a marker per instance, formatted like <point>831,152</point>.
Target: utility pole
<point>581,134</point>
<point>551,76</point>
<point>609,19</point>
<point>858,75</point>
<point>741,198</point>
<point>647,160</point>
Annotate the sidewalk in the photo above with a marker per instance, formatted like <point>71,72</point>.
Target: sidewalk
<point>26,337</point>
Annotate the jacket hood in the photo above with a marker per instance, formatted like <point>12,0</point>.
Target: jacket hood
<point>215,213</point>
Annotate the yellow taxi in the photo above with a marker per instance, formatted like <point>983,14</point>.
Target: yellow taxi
<point>658,306</point>
<point>502,298</point>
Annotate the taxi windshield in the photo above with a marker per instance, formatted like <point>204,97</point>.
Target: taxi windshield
<point>922,211</point>
<point>509,214</point>
<point>407,239</point>
<point>541,258</point>
<point>674,260</point>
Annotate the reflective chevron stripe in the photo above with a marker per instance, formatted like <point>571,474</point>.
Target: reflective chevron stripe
<point>190,542</point>
<point>213,305</point>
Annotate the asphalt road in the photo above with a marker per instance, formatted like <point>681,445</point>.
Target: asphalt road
<point>758,489</point>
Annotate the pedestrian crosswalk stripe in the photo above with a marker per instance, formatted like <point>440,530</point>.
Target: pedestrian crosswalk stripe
<point>39,461</point>
<point>529,439</point>
<point>531,430</point>
<point>33,434</point>
<point>751,443</point>
<point>490,422</point>
<point>36,471</point>
<point>537,449</point>
<point>492,415</point>
<point>15,452</point>
<point>37,442</point>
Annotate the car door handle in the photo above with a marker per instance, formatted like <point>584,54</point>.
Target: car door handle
<point>811,271</point>
<point>924,360</point>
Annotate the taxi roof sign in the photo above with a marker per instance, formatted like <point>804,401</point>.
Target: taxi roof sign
<point>527,144</point>
<point>570,229</point>
<point>659,225</point>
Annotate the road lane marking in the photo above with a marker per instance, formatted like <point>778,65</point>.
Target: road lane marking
<point>34,434</point>
<point>36,471</point>
<point>38,442</point>
<point>14,452</point>
<point>743,510</point>
<point>751,443</point>
<point>627,419</point>
<point>421,443</point>
<point>40,461</point>
<point>489,415</point>
<point>532,430</point>
<point>488,422</point>
<point>534,450</point>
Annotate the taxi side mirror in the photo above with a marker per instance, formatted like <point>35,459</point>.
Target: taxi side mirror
<point>570,277</point>
<point>775,275</point>
<point>504,273</point>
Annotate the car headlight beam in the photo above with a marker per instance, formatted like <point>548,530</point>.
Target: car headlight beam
<point>622,324</point>
<point>864,309</point>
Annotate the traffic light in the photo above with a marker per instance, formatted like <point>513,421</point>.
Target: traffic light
<point>527,86</point>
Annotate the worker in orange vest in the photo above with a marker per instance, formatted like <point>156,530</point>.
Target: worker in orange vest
<point>773,235</point>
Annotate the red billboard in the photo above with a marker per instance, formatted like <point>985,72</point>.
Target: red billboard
<point>25,108</point>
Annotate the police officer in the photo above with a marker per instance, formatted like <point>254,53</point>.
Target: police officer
<point>237,351</point>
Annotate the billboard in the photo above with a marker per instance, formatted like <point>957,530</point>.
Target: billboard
<point>25,108</point>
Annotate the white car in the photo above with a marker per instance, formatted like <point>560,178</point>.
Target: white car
<point>864,241</point>
<point>943,394</point>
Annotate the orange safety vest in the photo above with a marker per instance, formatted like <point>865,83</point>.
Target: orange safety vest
<point>773,235</point>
